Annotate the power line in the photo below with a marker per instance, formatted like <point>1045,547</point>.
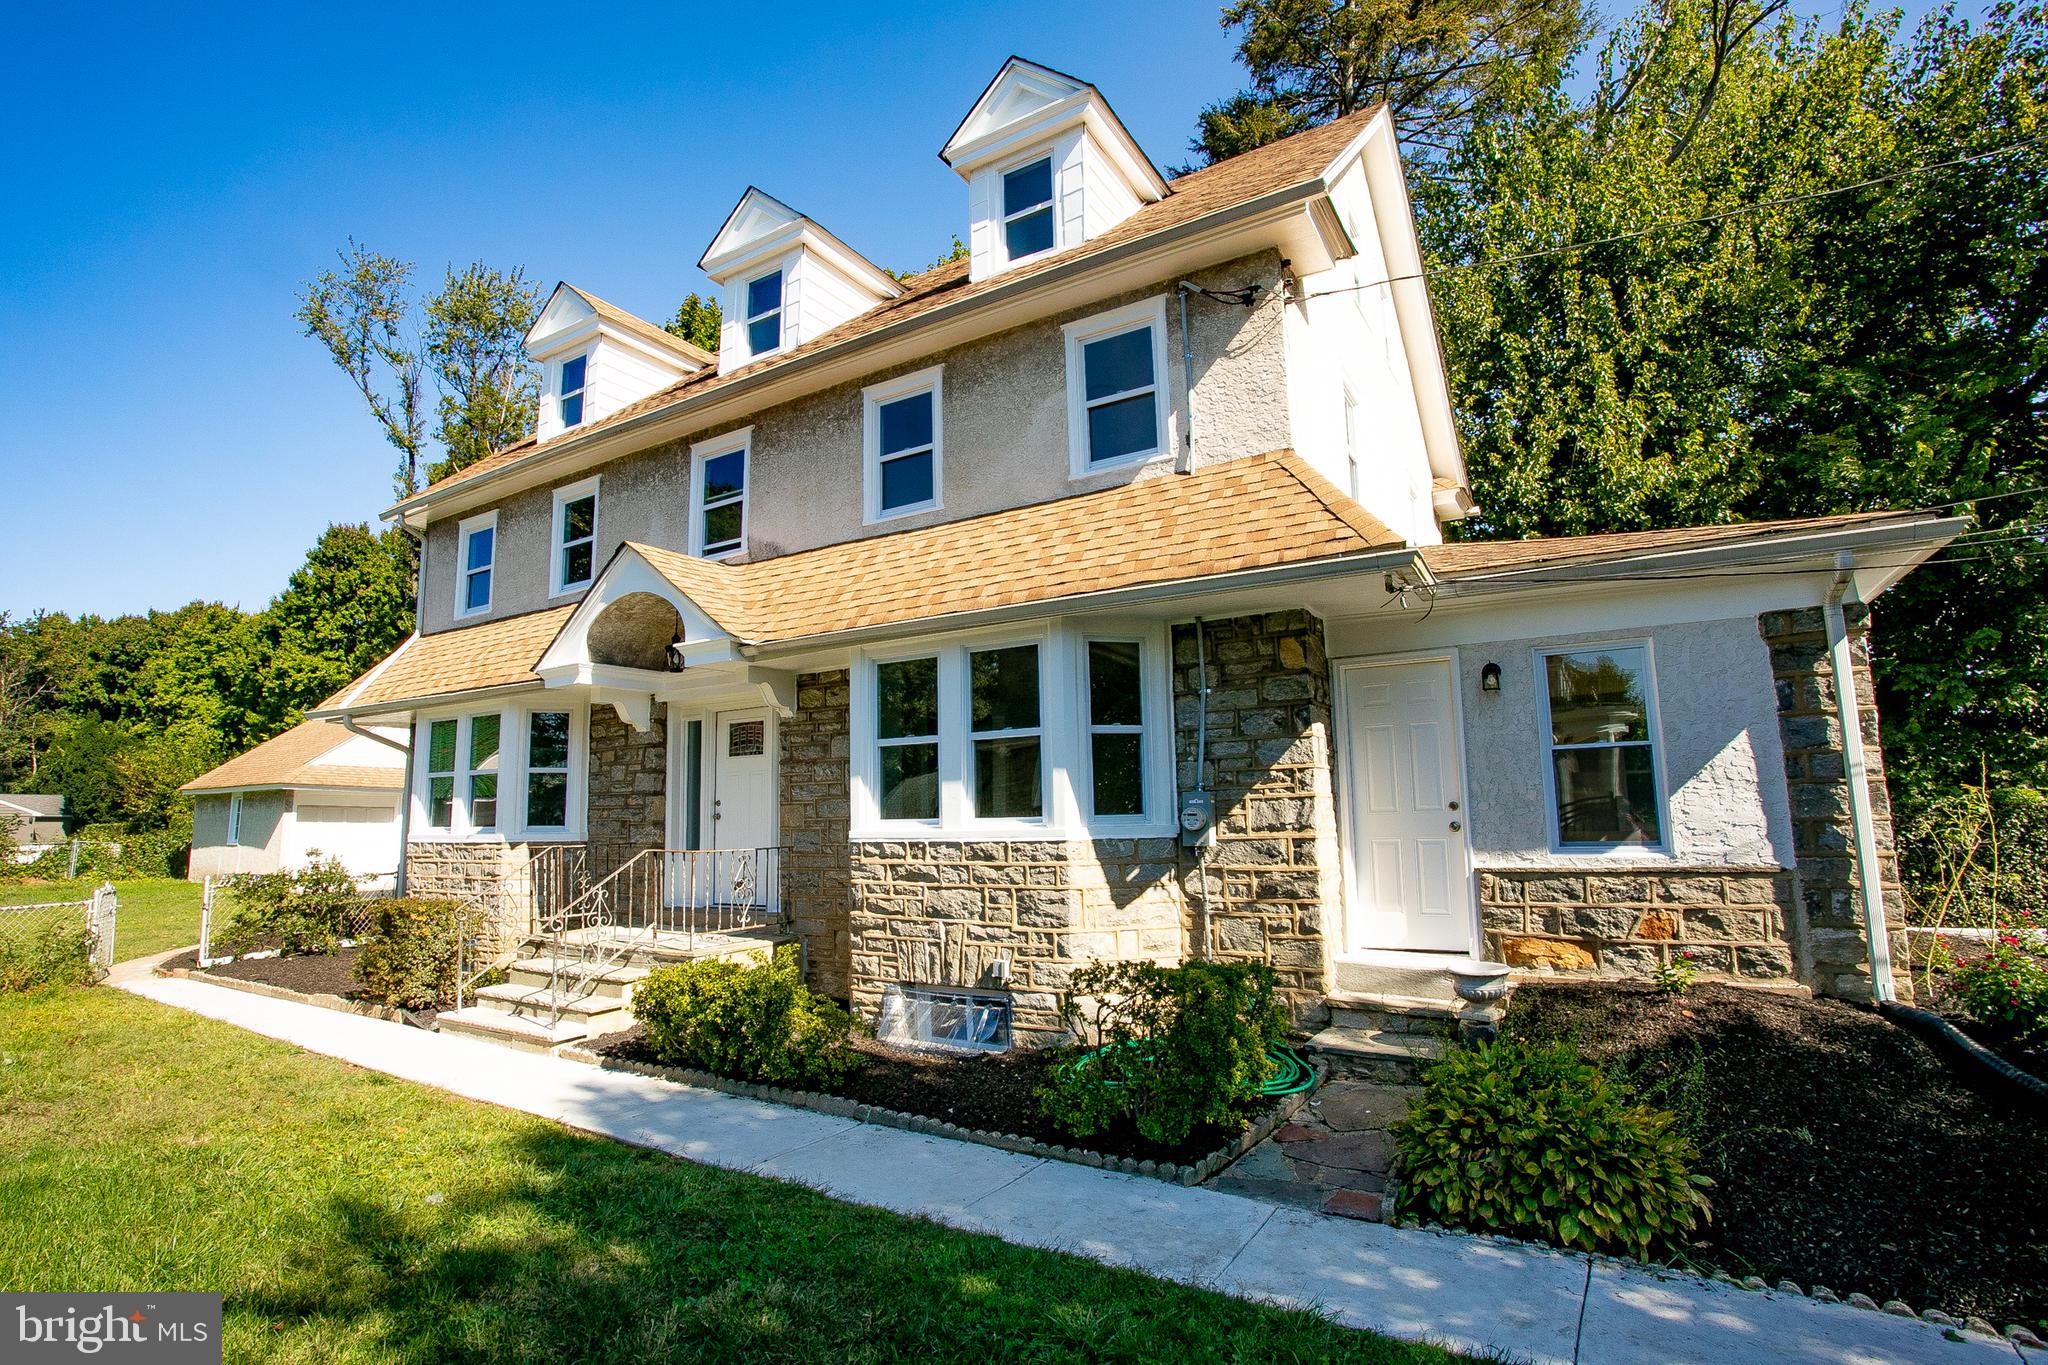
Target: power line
<point>1721,216</point>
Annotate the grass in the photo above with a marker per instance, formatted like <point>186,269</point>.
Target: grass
<point>155,913</point>
<point>349,1216</point>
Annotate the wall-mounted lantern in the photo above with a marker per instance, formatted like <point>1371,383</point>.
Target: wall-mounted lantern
<point>1489,678</point>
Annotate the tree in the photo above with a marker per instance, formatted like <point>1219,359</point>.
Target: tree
<point>469,337</point>
<point>1438,64</point>
<point>955,252</point>
<point>697,321</point>
<point>345,608</point>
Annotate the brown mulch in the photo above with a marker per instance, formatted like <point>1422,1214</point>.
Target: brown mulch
<point>1845,1150</point>
<point>993,1093</point>
<point>307,973</point>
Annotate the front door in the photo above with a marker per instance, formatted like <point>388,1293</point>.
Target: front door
<point>1408,870</point>
<point>742,781</point>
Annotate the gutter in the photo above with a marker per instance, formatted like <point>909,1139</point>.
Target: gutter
<point>628,432</point>
<point>1869,874</point>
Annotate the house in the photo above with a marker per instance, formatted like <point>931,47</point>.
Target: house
<point>1088,599</point>
<point>31,821</point>
<point>317,790</point>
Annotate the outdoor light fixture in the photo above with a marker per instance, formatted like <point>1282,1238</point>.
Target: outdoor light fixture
<point>1489,678</point>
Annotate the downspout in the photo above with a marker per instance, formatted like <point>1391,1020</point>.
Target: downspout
<point>1186,463</point>
<point>1869,877</point>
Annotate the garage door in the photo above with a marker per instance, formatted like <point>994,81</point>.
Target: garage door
<point>365,838</point>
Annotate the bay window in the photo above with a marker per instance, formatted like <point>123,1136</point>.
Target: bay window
<point>1600,725</point>
<point>1116,729</point>
<point>1003,695</point>
<point>441,774</point>
<point>489,774</point>
<point>907,735</point>
<point>547,770</point>
<point>481,772</point>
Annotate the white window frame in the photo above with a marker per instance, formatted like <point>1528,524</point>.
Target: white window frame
<point>514,733</point>
<point>465,775</point>
<point>468,527</point>
<point>1652,722</point>
<point>1144,313</point>
<point>563,393</point>
<point>873,399</point>
<point>702,453</point>
<point>428,772</point>
<point>235,820</point>
<point>1002,215</point>
<point>559,543</point>
<point>780,312</point>
<point>527,770</point>
<point>1064,748</point>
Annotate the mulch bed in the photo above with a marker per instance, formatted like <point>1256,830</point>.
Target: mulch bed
<point>993,1093</point>
<point>1845,1151</point>
<point>307,973</point>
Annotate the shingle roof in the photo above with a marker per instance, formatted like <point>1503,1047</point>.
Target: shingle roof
<point>1261,512</point>
<point>1470,558</point>
<point>646,330</point>
<point>1279,165</point>
<point>288,760</point>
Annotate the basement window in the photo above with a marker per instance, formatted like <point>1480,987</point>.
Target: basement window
<point>966,1021</point>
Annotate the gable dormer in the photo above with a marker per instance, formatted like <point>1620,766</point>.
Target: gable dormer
<point>1048,165</point>
<point>595,358</point>
<point>785,280</point>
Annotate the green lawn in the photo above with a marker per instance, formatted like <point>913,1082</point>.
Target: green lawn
<point>155,913</point>
<point>349,1216</point>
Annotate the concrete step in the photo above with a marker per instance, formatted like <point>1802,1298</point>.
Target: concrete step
<point>509,1030</point>
<point>616,982</point>
<point>1374,1053</point>
<point>1393,1014</point>
<point>1419,977</point>
<point>596,1013</point>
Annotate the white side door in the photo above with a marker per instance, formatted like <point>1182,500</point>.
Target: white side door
<point>742,781</point>
<point>1409,865</point>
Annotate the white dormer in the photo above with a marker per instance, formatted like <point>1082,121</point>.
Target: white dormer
<point>1048,165</point>
<point>595,358</point>
<point>785,280</point>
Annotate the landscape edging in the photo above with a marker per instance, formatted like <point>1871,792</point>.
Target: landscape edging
<point>390,1014</point>
<point>1192,1173</point>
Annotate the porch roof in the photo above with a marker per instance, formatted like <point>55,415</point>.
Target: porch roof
<point>291,760</point>
<point>450,662</point>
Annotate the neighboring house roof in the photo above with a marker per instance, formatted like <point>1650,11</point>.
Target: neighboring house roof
<point>289,760</point>
<point>1291,162</point>
<point>644,329</point>
<point>1256,513</point>
<point>42,806</point>
<point>1475,558</point>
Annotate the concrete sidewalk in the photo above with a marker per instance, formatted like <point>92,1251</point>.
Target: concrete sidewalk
<point>1468,1293</point>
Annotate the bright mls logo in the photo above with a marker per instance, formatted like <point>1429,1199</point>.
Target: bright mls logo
<point>170,1328</point>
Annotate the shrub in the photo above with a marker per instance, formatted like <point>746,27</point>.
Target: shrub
<point>1172,1048</point>
<point>408,956</point>
<point>307,911</point>
<point>2007,988</point>
<point>1532,1141</point>
<point>51,954</point>
<point>755,1023</point>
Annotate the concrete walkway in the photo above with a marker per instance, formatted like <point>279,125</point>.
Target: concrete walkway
<point>1468,1293</point>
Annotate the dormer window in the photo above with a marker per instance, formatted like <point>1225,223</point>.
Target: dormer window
<point>1027,209</point>
<point>764,313</point>
<point>574,371</point>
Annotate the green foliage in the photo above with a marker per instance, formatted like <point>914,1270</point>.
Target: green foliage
<point>2007,988</point>
<point>698,321</point>
<point>1676,976</point>
<point>754,1023</point>
<point>474,345</point>
<point>409,953</point>
<point>956,252</point>
<point>306,911</point>
<point>36,952</point>
<point>1533,1142</point>
<point>1170,1048</point>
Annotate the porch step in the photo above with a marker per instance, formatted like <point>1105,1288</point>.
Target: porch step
<point>1394,1014</point>
<point>1414,979</point>
<point>1377,1054</point>
<point>596,1013</point>
<point>510,1030</point>
<point>614,982</point>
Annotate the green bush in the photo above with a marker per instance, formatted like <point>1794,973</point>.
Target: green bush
<point>1534,1142</point>
<point>307,911</point>
<point>48,955</point>
<point>1170,1048</point>
<point>754,1023</point>
<point>408,956</point>
<point>2007,988</point>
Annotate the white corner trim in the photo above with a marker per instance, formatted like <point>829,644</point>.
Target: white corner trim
<point>1144,313</point>
<point>873,397</point>
<point>463,531</point>
<point>702,452</point>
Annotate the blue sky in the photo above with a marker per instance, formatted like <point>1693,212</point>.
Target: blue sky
<point>179,172</point>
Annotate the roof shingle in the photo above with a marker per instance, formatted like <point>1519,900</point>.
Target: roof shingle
<point>290,760</point>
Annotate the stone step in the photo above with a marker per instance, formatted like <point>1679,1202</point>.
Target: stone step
<point>1375,1053</point>
<point>509,1030</point>
<point>595,1013</point>
<point>1419,978</point>
<point>615,982</point>
<point>1393,1014</point>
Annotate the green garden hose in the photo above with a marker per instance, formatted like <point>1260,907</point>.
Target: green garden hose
<point>1291,1073</point>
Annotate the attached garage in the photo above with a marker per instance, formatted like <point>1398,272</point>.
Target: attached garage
<point>314,791</point>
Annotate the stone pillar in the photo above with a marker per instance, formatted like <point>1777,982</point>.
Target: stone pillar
<point>1836,955</point>
<point>816,859</point>
<point>628,806</point>
<point>1263,892</point>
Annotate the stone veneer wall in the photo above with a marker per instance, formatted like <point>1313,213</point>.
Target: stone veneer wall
<point>1629,922</point>
<point>1823,834</point>
<point>817,883</point>
<point>1260,894</point>
<point>628,808</point>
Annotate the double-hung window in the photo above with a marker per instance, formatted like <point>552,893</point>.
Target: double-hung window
<point>1004,723</point>
<point>905,435</point>
<point>476,555</point>
<point>1116,399</point>
<point>720,494</point>
<point>480,773</point>
<point>499,773</point>
<point>441,774</point>
<point>547,770</point>
<point>1351,459</point>
<point>1028,224</point>
<point>1600,726</point>
<point>764,313</point>
<point>574,372</point>
<point>234,820</point>
<point>575,523</point>
<point>1116,729</point>
<point>907,738</point>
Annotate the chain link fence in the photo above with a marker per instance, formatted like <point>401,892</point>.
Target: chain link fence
<point>58,942</point>
<point>232,927</point>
